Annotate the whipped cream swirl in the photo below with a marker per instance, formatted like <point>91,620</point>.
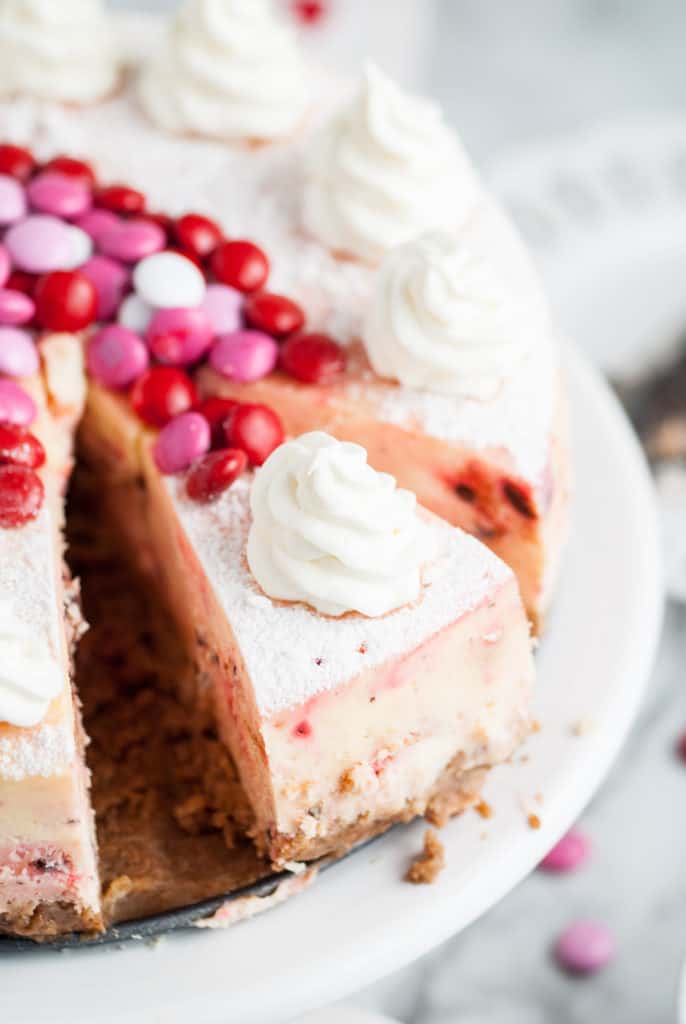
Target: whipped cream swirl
<point>29,676</point>
<point>330,531</point>
<point>443,318</point>
<point>383,170</point>
<point>229,70</point>
<point>57,50</point>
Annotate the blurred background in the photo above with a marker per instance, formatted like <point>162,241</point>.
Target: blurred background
<point>576,111</point>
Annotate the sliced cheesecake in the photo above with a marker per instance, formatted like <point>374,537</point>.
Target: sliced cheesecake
<point>48,863</point>
<point>339,726</point>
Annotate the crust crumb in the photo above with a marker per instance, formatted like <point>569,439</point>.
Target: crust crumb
<point>484,809</point>
<point>534,821</point>
<point>429,863</point>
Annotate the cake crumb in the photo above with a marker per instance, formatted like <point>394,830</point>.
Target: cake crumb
<point>484,809</point>
<point>428,864</point>
<point>582,727</point>
<point>535,726</point>
<point>534,821</point>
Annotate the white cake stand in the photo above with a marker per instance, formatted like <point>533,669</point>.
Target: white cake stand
<point>360,920</point>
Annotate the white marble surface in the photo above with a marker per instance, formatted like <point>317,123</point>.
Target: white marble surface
<point>510,73</point>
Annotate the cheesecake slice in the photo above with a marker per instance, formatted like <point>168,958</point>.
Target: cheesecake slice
<point>48,864</point>
<point>339,725</point>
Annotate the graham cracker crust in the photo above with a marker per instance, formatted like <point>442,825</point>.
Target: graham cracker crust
<point>45,921</point>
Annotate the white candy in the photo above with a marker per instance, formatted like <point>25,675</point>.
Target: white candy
<point>81,248</point>
<point>167,280</point>
<point>135,314</point>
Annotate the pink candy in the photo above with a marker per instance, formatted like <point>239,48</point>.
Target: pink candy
<point>97,223</point>
<point>132,240</point>
<point>117,356</point>
<point>15,405</point>
<point>181,442</point>
<point>244,355</point>
<point>567,855</point>
<point>12,200</point>
<point>585,947</point>
<point>179,337</point>
<point>40,244</point>
<point>15,307</point>
<point>18,354</point>
<point>59,195</point>
<point>110,280</point>
<point>223,306</point>
<point>5,265</point>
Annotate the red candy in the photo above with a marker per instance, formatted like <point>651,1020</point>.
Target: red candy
<point>162,393</point>
<point>241,265</point>
<point>20,448</point>
<point>274,314</point>
<point>197,234</point>
<point>313,358</point>
<point>22,281</point>
<point>216,410</point>
<point>21,495</point>
<point>77,169</point>
<point>309,11</point>
<point>120,199</point>
<point>16,162</point>
<point>65,301</point>
<point>256,429</point>
<point>214,473</point>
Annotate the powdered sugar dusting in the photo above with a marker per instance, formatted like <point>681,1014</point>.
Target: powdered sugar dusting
<point>45,750</point>
<point>291,652</point>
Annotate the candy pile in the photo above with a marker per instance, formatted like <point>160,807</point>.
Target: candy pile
<point>166,295</point>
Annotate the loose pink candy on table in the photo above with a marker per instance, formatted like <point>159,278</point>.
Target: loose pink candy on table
<point>15,307</point>
<point>223,306</point>
<point>181,442</point>
<point>569,853</point>
<point>97,223</point>
<point>110,280</point>
<point>58,194</point>
<point>5,265</point>
<point>18,353</point>
<point>244,355</point>
<point>12,200</point>
<point>39,244</point>
<point>132,240</point>
<point>15,405</point>
<point>585,947</point>
<point>179,337</point>
<point>117,356</point>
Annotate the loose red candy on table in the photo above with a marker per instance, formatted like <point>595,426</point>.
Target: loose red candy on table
<point>198,234</point>
<point>216,410</point>
<point>161,393</point>
<point>21,281</point>
<point>275,314</point>
<point>256,430</point>
<point>5,265</point>
<point>116,357</point>
<point>120,199</point>
<point>309,11</point>
<point>19,447</point>
<point>79,170</point>
<point>66,300</point>
<point>183,440</point>
<point>213,474</point>
<point>17,162</point>
<point>21,495</point>
<point>241,265</point>
<point>313,358</point>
